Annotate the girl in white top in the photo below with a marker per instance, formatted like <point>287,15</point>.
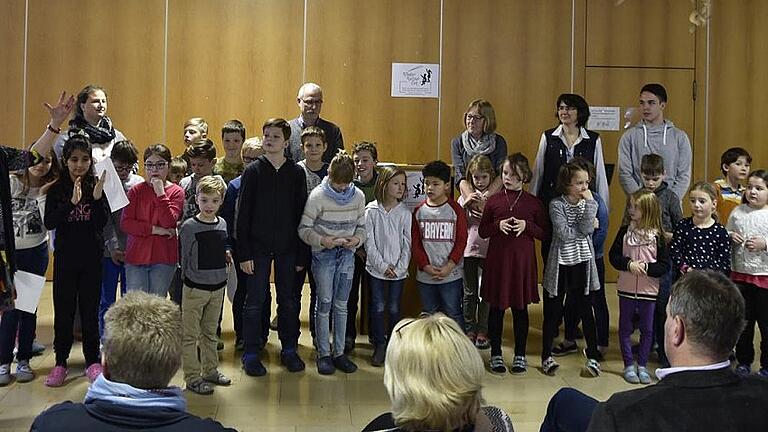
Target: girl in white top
<point>28,190</point>
<point>388,232</point>
<point>748,229</point>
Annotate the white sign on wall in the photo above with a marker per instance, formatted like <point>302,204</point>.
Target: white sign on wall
<point>414,191</point>
<point>419,80</point>
<point>605,118</point>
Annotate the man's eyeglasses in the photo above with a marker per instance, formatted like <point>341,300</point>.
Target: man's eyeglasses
<point>312,101</point>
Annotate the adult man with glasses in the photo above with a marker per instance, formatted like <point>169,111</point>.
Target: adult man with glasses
<point>310,101</point>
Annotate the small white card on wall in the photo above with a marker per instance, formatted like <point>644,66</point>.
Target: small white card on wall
<point>604,118</point>
<point>415,80</point>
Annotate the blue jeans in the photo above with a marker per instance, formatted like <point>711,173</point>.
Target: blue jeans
<point>443,297</point>
<point>113,273</point>
<point>333,270</point>
<point>150,278</point>
<point>569,410</point>
<point>288,305</point>
<point>33,260</point>
<point>385,296</point>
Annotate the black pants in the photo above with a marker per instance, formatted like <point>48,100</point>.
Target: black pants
<point>496,329</point>
<point>306,273</point>
<point>756,303</point>
<point>572,281</point>
<point>599,306</point>
<point>354,298</point>
<point>76,282</point>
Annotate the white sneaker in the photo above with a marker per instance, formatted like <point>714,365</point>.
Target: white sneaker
<point>5,375</point>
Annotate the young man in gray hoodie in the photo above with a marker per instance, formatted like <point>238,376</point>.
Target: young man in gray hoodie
<point>654,134</point>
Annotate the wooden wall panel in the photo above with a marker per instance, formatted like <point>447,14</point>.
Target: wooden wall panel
<point>118,45</point>
<point>738,79</point>
<point>12,71</point>
<point>648,33</point>
<point>504,51</point>
<point>232,59</point>
<point>621,87</point>
<point>350,48</point>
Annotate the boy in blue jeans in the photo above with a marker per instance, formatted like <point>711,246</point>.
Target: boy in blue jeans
<point>273,192</point>
<point>438,238</point>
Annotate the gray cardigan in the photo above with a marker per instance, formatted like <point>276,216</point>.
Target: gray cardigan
<point>561,233</point>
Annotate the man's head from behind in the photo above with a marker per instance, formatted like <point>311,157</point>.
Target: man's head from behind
<point>705,317</point>
<point>142,341</point>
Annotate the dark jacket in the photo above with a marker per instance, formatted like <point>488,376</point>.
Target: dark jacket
<point>717,400</point>
<point>104,416</point>
<point>556,156</point>
<point>269,209</point>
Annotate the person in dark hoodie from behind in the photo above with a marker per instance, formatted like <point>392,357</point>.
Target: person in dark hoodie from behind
<point>140,356</point>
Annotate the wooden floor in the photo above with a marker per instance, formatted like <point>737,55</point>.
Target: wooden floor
<point>306,401</point>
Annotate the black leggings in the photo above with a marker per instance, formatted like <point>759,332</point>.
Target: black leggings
<point>572,280</point>
<point>76,285</point>
<point>496,329</point>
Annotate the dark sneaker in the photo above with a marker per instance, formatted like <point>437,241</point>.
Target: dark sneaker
<point>325,366</point>
<point>253,366</point>
<point>519,365</point>
<point>549,366</point>
<point>496,363</point>
<point>565,348</point>
<point>593,367</point>
<point>481,342</point>
<point>344,364</point>
<point>239,345</point>
<point>763,372</point>
<point>292,361</point>
<point>743,369</point>
<point>379,354</point>
<point>200,387</point>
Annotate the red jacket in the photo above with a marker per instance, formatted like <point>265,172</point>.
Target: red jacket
<point>145,211</point>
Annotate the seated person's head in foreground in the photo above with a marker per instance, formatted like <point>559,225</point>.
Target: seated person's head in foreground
<point>705,317</point>
<point>433,374</point>
<point>142,341</point>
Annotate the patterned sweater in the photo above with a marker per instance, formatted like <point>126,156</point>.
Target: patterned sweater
<point>749,222</point>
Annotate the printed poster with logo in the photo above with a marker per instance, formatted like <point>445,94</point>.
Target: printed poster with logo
<point>416,80</point>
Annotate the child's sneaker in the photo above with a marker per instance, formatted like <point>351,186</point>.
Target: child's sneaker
<point>519,365</point>
<point>93,371</point>
<point>24,372</point>
<point>218,378</point>
<point>743,369</point>
<point>344,364</point>
<point>630,375</point>
<point>200,386</point>
<point>549,366</point>
<point>496,363</point>
<point>5,375</point>
<point>481,342</point>
<point>292,361</point>
<point>253,366</point>
<point>564,348</point>
<point>379,354</point>
<point>325,365</point>
<point>642,373</point>
<point>56,377</point>
<point>593,367</point>
<point>763,372</point>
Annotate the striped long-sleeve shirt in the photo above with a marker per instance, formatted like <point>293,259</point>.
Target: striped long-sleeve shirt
<point>324,217</point>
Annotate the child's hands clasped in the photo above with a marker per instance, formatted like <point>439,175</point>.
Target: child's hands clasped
<point>736,237</point>
<point>637,268</point>
<point>755,244</point>
<point>512,225</point>
<point>168,232</point>
<point>390,272</point>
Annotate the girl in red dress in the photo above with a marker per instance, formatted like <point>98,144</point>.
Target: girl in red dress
<point>512,219</point>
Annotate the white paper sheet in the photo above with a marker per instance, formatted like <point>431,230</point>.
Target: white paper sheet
<point>604,118</point>
<point>231,282</point>
<point>29,286</point>
<point>113,187</point>
<point>417,80</point>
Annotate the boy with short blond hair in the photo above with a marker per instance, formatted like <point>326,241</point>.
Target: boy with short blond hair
<point>205,255</point>
<point>195,130</point>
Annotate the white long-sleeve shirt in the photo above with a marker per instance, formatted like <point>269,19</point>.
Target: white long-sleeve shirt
<point>388,240</point>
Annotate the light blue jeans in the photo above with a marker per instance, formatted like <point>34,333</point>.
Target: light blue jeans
<point>333,270</point>
<point>150,278</point>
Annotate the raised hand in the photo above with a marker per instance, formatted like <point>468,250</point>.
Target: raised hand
<point>61,110</point>
<point>98,190</point>
<point>44,188</point>
<point>77,191</point>
<point>158,185</point>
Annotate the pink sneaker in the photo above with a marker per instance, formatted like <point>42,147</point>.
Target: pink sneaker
<point>93,371</point>
<point>56,377</point>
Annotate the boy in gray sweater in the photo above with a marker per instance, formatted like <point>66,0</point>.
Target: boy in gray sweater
<point>205,256</point>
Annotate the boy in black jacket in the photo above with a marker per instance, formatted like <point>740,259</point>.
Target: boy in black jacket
<point>272,197</point>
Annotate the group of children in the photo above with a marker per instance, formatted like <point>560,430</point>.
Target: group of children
<point>342,220</point>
